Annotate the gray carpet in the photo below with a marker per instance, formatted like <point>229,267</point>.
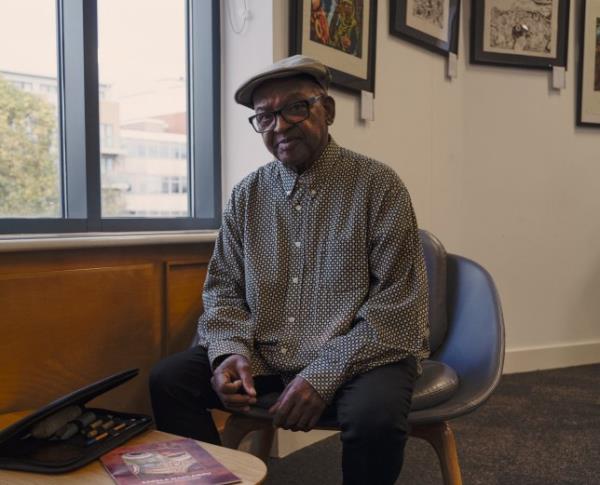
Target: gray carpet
<point>538,428</point>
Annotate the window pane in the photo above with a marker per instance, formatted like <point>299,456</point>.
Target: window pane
<point>29,128</point>
<point>142,69</point>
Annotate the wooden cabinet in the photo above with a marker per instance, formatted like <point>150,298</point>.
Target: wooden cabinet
<point>70,317</point>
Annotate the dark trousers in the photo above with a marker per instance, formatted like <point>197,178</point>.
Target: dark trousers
<point>371,410</point>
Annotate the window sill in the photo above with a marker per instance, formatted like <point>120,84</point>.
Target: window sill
<point>28,242</point>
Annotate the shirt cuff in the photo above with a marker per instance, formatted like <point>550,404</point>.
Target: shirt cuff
<point>326,376</point>
<point>226,347</point>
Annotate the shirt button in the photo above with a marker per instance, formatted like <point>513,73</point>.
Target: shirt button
<point>313,192</point>
<point>295,279</point>
<point>283,350</point>
<point>298,207</point>
<point>291,319</point>
<point>297,244</point>
<point>288,192</point>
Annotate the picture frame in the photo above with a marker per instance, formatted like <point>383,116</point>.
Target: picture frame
<point>529,33</point>
<point>588,95</point>
<point>432,25</point>
<point>339,33</point>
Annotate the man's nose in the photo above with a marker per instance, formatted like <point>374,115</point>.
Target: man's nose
<point>281,124</point>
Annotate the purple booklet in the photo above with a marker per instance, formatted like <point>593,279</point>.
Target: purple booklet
<point>181,462</point>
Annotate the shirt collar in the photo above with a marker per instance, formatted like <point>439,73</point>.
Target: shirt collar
<point>315,176</point>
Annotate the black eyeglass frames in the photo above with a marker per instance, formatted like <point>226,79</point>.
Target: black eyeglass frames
<point>292,113</point>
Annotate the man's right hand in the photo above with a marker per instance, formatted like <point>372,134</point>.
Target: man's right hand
<point>233,383</point>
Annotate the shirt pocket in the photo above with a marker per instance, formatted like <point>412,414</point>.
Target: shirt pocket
<point>343,265</point>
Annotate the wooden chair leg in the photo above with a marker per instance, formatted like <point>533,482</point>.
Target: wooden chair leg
<point>262,443</point>
<point>441,437</point>
<point>237,427</point>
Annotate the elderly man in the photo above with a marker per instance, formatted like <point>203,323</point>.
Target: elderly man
<point>316,289</point>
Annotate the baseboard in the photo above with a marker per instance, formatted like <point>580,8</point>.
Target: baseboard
<point>526,359</point>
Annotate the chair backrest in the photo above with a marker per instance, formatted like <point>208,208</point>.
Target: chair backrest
<point>435,261</point>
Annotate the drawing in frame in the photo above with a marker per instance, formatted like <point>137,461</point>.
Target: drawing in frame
<point>520,33</point>
<point>339,33</point>
<point>432,24</point>
<point>588,95</point>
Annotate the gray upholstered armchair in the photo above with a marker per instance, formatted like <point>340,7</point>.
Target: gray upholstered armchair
<point>467,343</point>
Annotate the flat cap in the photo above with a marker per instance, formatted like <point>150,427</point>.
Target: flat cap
<point>288,67</point>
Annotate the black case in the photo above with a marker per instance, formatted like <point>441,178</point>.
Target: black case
<point>20,452</point>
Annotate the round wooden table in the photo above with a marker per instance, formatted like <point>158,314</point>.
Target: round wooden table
<point>250,469</point>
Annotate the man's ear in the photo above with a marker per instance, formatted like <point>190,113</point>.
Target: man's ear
<point>329,105</point>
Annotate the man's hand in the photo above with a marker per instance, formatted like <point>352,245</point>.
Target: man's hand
<point>299,406</point>
<point>233,383</point>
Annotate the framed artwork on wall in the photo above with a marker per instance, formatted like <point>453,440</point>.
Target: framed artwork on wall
<point>520,33</point>
<point>339,33</point>
<point>588,96</point>
<point>432,24</point>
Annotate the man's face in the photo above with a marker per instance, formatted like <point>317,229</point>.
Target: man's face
<point>295,145</point>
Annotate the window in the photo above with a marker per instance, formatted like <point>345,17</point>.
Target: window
<point>48,88</point>
<point>24,86</point>
<point>141,149</point>
<point>129,98</point>
<point>174,185</point>
<point>30,176</point>
<point>107,164</point>
<point>106,137</point>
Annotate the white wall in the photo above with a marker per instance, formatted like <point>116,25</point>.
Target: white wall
<point>529,212</point>
<point>242,54</point>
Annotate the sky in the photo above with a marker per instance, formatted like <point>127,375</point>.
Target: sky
<point>140,41</point>
<point>27,36</point>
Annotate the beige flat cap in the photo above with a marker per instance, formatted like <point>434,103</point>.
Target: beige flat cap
<point>288,67</point>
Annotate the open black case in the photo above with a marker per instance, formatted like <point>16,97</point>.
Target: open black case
<point>20,450</point>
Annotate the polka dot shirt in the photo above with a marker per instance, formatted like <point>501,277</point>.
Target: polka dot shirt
<point>319,274</point>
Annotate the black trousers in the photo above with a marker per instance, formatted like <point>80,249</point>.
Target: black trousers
<point>371,408</point>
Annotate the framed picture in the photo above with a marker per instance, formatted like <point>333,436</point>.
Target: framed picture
<point>521,33</point>
<point>432,24</point>
<point>339,33</point>
<point>588,96</point>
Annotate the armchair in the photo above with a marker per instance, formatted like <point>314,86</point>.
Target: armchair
<point>467,355</point>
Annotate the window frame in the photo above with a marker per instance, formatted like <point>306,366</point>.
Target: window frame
<point>77,42</point>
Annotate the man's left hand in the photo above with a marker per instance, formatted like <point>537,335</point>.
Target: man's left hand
<point>299,406</point>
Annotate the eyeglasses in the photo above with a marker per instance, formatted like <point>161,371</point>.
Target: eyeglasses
<point>292,113</point>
